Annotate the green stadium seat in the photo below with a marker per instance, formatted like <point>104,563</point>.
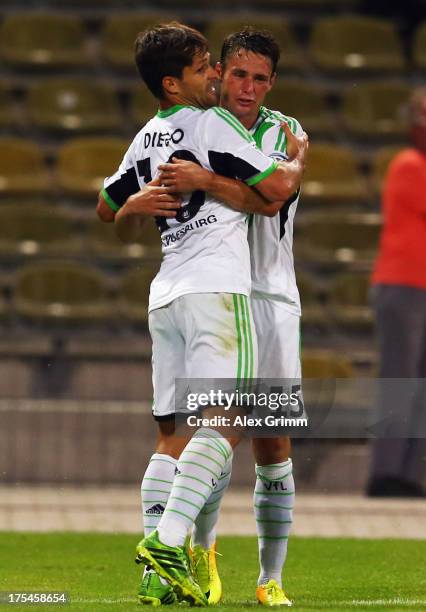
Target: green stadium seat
<point>36,229</point>
<point>349,299</point>
<point>103,242</point>
<point>419,47</point>
<point>356,43</point>
<point>307,103</point>
<point>61,291</point>
<point>349,238</point>
<point>143,105</point>
<point>313,312</point>
<point>332,176</point>
<point>376,110</point>
<point>43,39</point>
<point>291,53</point>
<point>119,34</point>
<point>73,105</point>
<point>379,167</point>
<point>22,167</point>
<point>83,164</point>
<point>134,293</point>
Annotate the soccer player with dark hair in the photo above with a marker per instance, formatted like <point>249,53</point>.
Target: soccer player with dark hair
<point>248,70</point>
<point>200,295</point>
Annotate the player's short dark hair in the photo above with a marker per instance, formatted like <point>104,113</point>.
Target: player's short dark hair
<point>165,50</point>
<point>257,41</point>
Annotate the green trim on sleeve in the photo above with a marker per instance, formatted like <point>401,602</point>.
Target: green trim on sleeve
<point>109,200</point>
<point>261,175</point>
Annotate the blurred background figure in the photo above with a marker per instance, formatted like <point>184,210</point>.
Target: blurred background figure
<point>399,279</point>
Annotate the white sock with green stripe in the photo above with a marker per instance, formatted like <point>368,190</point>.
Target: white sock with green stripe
<point>199,468</point>
<point>273,502</point>
<point>155,489</point>
<point>204,533</point>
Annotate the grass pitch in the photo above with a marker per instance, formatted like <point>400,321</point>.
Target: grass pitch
<point>98,572</point>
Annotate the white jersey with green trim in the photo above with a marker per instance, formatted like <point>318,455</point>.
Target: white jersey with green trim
<point>205,248</point>
<point>271,239</point>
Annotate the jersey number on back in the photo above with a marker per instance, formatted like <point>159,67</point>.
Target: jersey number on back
<point>197,199</point>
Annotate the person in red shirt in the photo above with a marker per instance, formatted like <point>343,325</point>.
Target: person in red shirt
<point>399,281</point>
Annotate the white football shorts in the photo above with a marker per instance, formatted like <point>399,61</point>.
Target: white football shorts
<point>278,337</point>
<point>203,338</point>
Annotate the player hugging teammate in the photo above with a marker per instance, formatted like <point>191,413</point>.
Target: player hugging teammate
<point>232,159</point>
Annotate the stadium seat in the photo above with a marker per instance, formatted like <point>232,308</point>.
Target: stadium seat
<point>35,229</point>
<point>380,164</point>
<point>349,238</point>
<point>376,110</point>
<point>307,103</point>
<point>313,312</point>
<point>219,28</point>
<point>325,364</point>
<point>62,291</point>
<point>43,39</point>
<point>73,105</point>
<point>8,112</point>
<point>83,163</point>
<point>119,34</point>
<point>355,43</point>
<point>349,299</point>
<point>332,176</point>
<point>103,242</point>
<point>22,167</point>
<point>419,47</point>
<point>143,105</point>
<point>134,293</point>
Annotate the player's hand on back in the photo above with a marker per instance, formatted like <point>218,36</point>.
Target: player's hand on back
<point>296,146</point>
<point>183,176</point>
<point>155,200</point>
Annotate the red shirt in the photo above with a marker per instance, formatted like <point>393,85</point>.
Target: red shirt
<point>402,251</point>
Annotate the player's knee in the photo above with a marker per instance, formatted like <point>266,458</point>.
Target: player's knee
<point>271,450</point>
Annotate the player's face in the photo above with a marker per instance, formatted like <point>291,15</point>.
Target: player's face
<point>198,84</point>
<point>246,79</point>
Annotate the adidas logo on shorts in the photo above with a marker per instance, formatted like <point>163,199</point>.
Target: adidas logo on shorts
<point>157,509</point>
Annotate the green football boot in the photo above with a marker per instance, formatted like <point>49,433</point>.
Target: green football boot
<point>171,563</point>
<point>154,593</point>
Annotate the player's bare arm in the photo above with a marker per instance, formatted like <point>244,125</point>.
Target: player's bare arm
<point>184,176</point>
<point>151,201</point>
<point>104,212</point>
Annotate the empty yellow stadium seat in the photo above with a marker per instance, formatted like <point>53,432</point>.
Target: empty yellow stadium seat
<point>73,105</point>
<point>22,167</point>
<point>332,175</point>
<point>63,291</point>
<point>350,303</point>
<point>356,43</point>
<point>345,238</point>
<point>43,39</point>
<point>83,163</point>
<point>134,293</point>
<point>305,102</point>
<point>376,109</point>
<point>380,164</point>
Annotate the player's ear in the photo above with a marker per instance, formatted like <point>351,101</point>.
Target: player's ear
<point>170,85</point>
<point>218,69</point>
<point>273,79</point>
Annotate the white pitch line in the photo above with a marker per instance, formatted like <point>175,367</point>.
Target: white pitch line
<point>328,604</point>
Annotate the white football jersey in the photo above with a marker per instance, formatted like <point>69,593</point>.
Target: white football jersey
<point>205,248</point>
<point>271,238</point>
